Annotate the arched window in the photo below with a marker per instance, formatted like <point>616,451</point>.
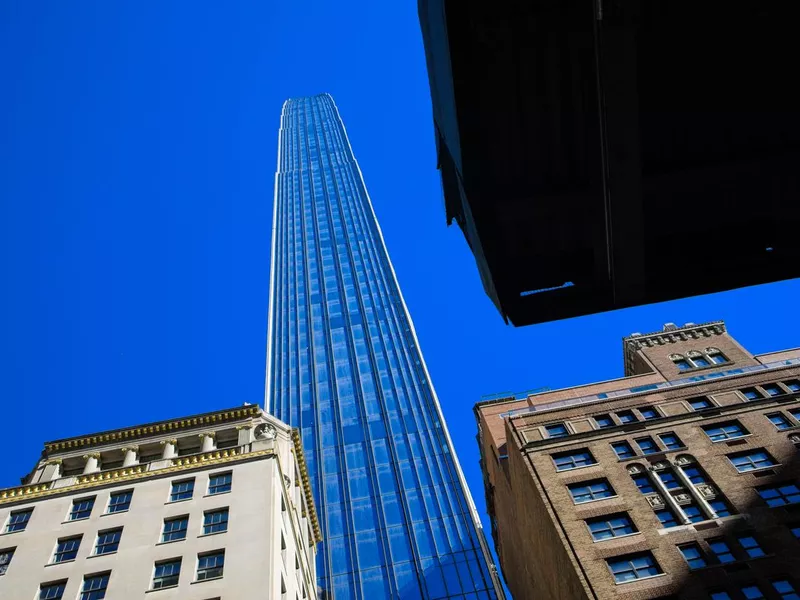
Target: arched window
<point>680,361</point>
<point>716,356</point>
<point>698,359</point>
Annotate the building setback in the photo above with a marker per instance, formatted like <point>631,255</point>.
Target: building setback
<point>680,480</point>
<point>216,505</point>
<point>345,367</point>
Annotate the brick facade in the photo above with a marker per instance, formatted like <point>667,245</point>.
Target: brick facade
<point>539,524</point>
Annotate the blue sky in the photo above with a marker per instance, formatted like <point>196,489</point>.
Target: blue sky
<point>137,155</point>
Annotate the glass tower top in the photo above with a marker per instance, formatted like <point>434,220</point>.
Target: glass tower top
<point>344,366</point>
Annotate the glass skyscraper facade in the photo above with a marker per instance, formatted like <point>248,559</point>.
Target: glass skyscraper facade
<point>344,366</point>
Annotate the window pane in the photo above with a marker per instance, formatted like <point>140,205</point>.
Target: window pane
<point>751,546</point>
<point>693,555</point>
<point>52,591</point>
<point>175,529</point>
<point>590,490</point>
<point>182,490</point>
<point>751,460</point>
<point>725,431</point>
<point>215,521</point>
<point>752,592</point>
<point>643,482</point>
<point>218,484</point>
<point>119,502</point>
<point>647,445</point>
<point>780,421</point>
<point>779,495</point>
<point>166,573</point>
<point>81,509</point>
<point>94,587</point>
<point>649,413</point>
<point>633,566</point>
<point>785,589</point>
<point>572,460</point>
<point>700,403</point>
<point>610,526</point>
<point>18,521</point>
<point>627,416</point>
<point>210,565</point>
<point>667,518</point>
<point>671,441</point>
<point>623,449</point>
<point>66,549</point>
<point>603,421</point>
<point>722,551</point>
<point>556,430</point>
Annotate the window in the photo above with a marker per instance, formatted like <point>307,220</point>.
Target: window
<point>229,443</point>
<point>780,495</point>
<point>795,412</point>
<point>643,482</point>
<point>556,430</point>
<point>700,403</point>
<point>18,520</point>
<point>175,529</point>
<point>574,459</point>
<point>718,595</point>
<point>94,587</point>
<point>753,592</point>
<point>633,566</point>
<point>780,421</point>
<point>66,549</point>
<point>793,385</point>
<point>603,421</point>
<point>52,591</point>
<point>682,364</point>
<point>796,532</point>
<point>667,517</point>
<point>669,480</point>
<point>5,559</point>
<point>586,491</point>
<point>694,474</point>
<point>671,441</point>
<point>610,526</point>
<point>623,449</point>
<point>785,589</point>
<point>120,501</point>
<point>751,394</point>
<point>219,484</point>
<point>108,541</point>
<point>647,445</point>
<point>700,361</point>
<point>210,565</point>
<point>693,513</point>
<point>648,413</point>
<point>751,460</point>
<point>182,490</point>
<point>215,521</point>
<point>718,358</point>
<point>81,509</point>
<point>626,416</point>
<point>750,545</point>
<point>720,507</point>
<point>773,389</point>
<point>721,550</point>
<point>693,556</point>
<point>729,430</point>
<point>166,573</point>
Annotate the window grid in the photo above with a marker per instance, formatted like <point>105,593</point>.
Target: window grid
<point>108,541</point>
<point>725,431</point>
<point>647,445</point>
<point>773,389</point>
<point>780,495</point>
<point>700,403</point>
<point>610,526</point>
<point>722,551</point>
<point>215,521</point>
<point>780,421</point>
<point>751,461</point>
<point>603,421</point>
<point>627,416</point>
<point>693,555</point>
<point>566,461</point>
<point>94,587</point>
<point>556,430</point>
<point>785,589</point>
<point>6,555</point>
<point>590,490</point>
<point>166,573</point>
<point>18,520</point>
<point>751,394</point>
<point>66,549</point>
<point>175,529</point>
<point>210,566</point>
<point>219,484</point>
<point>671,441</point>
<point>81,509</point>
<point>623,450</point>
<point>648,413</point>
<point>633,566</point>
<point>182,490</point>
<point>750,545</point>
<point>643,482</point>
<point>52,591</point>
<point>120,501</point>
<point>752,592</point>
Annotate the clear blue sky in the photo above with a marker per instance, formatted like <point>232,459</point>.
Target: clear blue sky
<point>137,155</point>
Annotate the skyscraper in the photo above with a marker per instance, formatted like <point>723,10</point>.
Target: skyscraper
<point>344,365</point>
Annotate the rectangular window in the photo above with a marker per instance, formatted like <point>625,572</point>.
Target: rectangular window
<point>751,460</point>
<point>565,461</point>
<point>693,555</point>
<point>780,495</point>
<point>785,589</point>
<point>720,507</point>
<point>773,389</point>
<point>796,532</point>
<point>669,480</point>
<point>750,545</point>
<point>721,551</point>
<point>633,566</point>
<point>729,430</point>
<point>120,501</point>
<point>182,490</point>
<point>649,412</point>
<point>793,385</point>
<point>667,518</point>
<point>643,482</point>
<point>175,529</point>
<point>610,526</point>
<point>66,549</point>
<point>556,430</point>
<point>623,449</point>
<point>780,421</point>
<point>166,573</point>
<point>210,566</point>
<point>693,512</point>
<point>215,521</point>
<point>81,509</point>
<point>94,586</point>
<point>695,474</point>
<point>5,559</point>
<point>52,591</point>
<point>647,445</point>
<point>718,359</point>
<point>682,364</point>
<point>18,520</point>
<point>751,394</point>
<point>626,416</point>
<point>219,484</point>
<point>753,592</point>
<point>795,412</point>
<point>700,361</point>
<point>586,491</point>
<point>700,403</point>
<point>720,595</point>
<point>108,541</point>
<point>671,441</point>
<point>603,421</point>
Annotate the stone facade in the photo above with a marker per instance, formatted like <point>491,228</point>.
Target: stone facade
<point>224,493</point>
<point>678,481</point>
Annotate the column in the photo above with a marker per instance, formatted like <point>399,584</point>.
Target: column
<point>131,456</point>
<point>170,449</point>
<point>207,441</point>
<point>668,499</point>
<point>52,470</point>
<point>694,492</point>
<point>245,434</point>
<point>92,463</point>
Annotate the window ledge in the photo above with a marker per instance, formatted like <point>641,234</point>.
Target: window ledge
<point>63,562</point>
<point>217,494</point>
<point>209,579</point>
<point>577,468</point>
<point>728,440</point>
<point>202,535</point>
<point>76,520</point>
<point>119,512</point>
<point>104,554</point>
<point>176,502</point>
<point>595,500</point>
<point>166,587</point>
<point>11,532</point>
<point>183,539</point>
<point>617,537</point>
<point>640,579</point>
<point>775,466</point>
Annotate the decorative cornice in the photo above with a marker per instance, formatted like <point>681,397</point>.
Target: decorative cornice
<point>206,434</point>
<point>88,455</point>
<point>54,461</point>
<point>129,473</point>
<point>301,464</point>
<point>151,430</point>
<point>171,441</point>
<point>668,335</point>
<point>130,448</point>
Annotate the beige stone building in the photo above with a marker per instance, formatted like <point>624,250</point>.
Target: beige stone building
<point>215,506</point>
<point>680,480</point>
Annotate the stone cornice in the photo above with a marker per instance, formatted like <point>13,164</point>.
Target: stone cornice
<point>668,335</point>
<point>132,433</point>
<point>301,464</point>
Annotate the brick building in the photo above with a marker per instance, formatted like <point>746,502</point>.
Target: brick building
<point>680,480</point>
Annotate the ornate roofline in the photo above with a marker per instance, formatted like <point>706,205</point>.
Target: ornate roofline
<point>300,457</point>
<point>150,429</point>
<point>669,334</point>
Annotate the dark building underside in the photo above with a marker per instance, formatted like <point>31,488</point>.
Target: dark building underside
<point>635,150</point>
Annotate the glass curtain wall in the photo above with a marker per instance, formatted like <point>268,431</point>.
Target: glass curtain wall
<point>344,366</point>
